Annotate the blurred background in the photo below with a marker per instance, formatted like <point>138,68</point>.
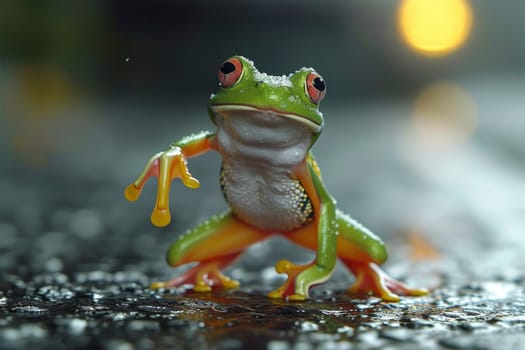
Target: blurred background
<point>424,137</point>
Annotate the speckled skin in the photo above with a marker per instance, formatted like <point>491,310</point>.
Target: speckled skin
<point>260,151</point>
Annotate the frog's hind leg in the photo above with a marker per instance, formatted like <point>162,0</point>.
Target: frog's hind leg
<point>214,244</point>
<point>204,276</point>
<point>362,252</point>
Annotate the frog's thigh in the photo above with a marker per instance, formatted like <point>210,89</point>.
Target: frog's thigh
<point>356,242</point>
<point>222,235</point>
<point>305,236</point>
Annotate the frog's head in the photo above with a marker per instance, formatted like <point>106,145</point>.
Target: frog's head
<point>243,87</point>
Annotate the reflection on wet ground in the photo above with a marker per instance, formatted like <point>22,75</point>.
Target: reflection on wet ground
<point>115,311</point>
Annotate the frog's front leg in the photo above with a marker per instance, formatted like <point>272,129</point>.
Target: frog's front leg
<point>323,229</point>
<point>214,244</point>
<point>167,166</point>
<point>362,252</point>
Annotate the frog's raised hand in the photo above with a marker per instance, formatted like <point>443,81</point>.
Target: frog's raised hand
<point>167,166</point>
<point>266,126</point>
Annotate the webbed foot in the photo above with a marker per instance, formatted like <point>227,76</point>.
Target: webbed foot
<point>372,280</point>
<point>289,290</point>
<point>166,166</point>
<point>204,277</point>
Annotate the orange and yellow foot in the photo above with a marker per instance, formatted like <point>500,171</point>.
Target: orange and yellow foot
<point>372,280</point>
<point>287,290</point>
<point>204,277</point>
<point>166,166</point>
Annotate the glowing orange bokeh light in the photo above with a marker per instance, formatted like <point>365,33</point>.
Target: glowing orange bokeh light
<point>444,115</point>
<point>435,27</point>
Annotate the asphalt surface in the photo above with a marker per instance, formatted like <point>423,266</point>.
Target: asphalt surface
<point>77,259</point>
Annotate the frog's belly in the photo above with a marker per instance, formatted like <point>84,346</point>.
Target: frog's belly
<point>270,201</point>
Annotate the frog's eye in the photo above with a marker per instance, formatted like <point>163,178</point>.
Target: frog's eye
<point>230,72</point>
<point>315,87</point>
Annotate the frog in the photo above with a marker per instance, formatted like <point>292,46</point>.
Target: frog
<point>265,127</point>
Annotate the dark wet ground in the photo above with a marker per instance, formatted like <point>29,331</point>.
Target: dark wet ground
<point>77,259</point>
<point>115,311</point>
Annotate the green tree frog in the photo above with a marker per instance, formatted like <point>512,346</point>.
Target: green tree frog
<point>265,127</point>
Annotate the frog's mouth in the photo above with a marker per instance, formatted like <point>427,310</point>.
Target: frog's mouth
<point>224,108</point>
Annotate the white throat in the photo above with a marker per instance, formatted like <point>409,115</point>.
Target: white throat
<point>252,136</point>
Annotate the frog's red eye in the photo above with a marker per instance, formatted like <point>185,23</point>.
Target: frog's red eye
<point>230,72</point>
<point>316,87</point>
